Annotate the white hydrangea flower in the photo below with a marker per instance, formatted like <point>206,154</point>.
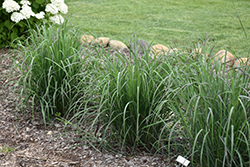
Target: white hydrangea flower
<point>62,7</point>
<point>51,8</point>
<point>16,17</point>
<point>27,11</point>
<point>10,6</point>
<point>40,15</point>
<point>58,19</point>
<point>57,1</point>
<point>25,2</point>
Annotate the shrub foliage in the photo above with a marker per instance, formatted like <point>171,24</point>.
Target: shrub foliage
<point>9,30</point>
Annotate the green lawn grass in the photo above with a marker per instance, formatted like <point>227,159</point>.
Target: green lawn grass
<point>168,22</point>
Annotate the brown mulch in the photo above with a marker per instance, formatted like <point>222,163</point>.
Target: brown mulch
<point>24,141</point>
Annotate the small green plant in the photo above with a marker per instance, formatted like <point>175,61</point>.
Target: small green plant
<point>6,149</point>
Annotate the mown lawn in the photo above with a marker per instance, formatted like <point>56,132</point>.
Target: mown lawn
<point>168,22</point>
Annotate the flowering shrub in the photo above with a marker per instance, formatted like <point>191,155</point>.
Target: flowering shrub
<point>17,16</point>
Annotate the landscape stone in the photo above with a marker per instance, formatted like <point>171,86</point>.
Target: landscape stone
<point>158,49</point>
<point>241,62</point>
<point>141,45</point>
<point>221,57</point>
<point>104,41</point>
<point>117,44</point>
<point>87,39</point>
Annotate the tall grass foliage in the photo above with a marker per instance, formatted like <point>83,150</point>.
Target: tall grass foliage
<point>52,71</point>
<point>134,94</point>
<point>213,107</point>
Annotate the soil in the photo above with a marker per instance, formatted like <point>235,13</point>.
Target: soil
<point>25,142</point>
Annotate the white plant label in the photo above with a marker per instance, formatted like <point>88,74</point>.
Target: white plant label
<point>182,160</point>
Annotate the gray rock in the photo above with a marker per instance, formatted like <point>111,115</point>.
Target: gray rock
<point>140,46</point>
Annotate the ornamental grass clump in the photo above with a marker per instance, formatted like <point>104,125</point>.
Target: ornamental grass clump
<point>134,92</point>
<point>213,108</point>
<point>52,74</point>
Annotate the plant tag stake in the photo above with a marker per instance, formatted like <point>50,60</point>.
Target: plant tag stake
<point>182,160</point>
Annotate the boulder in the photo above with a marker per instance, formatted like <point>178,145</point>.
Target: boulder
<point>117,44</point>
<point>87,39</point>
<point>158,49</point>
<point>103,41</point>
<point>140,45</point>
<point>221,57</point>
<point>241,62</point>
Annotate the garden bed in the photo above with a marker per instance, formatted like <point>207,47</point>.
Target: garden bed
<point>26,142</point>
